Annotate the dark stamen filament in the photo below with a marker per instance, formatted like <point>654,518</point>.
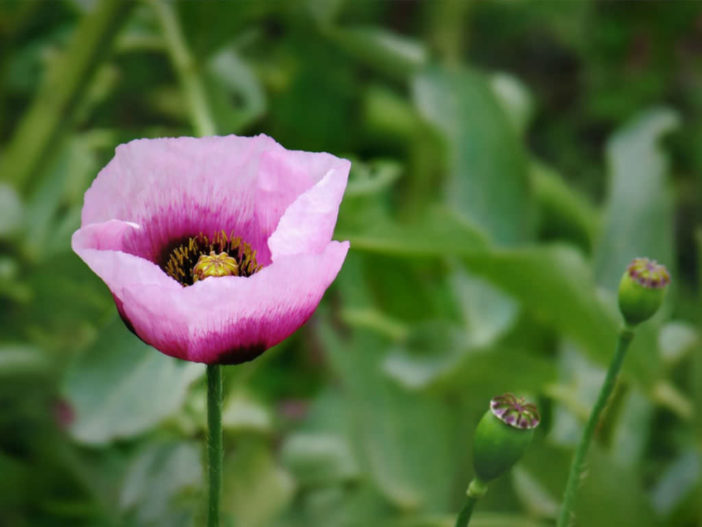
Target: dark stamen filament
<point>180,261</point>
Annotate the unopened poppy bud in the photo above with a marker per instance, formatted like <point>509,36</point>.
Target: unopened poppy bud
<point>642,289</point>
<point>503,435</point>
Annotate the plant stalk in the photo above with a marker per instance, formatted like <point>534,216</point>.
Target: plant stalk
<point>38,134</point>
<point>466,512</point>
<point>187,70</point>
<point>626,334</point>
<point>214,442</point>
<point>476,490</point>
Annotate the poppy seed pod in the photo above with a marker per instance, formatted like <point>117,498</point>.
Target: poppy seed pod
<point>503,435</point>
<point>642,289</point>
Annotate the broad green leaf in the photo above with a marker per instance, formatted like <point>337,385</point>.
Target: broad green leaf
<point>676,340</point>
<point>515,99</point>
<point>612,494</point>
<point>12,285</point>
<point>438,233</point>
<point>243,413</point>
<point>553,282</point>
<point>67,301</point>
<point>458,367</point>
<point>488,172</point>
<point>534,497</point>
<point>388,52</point>
<point>639,217</point>
<point>390,426</point>
<point>630,435</point>
<point>429,353</point>
<point>371,178</point>
<point>20,359</point>
<point>236,95</point>
<point>564,214</point>
<point>122,387</point>
<point>579,382</point>
<point>487,311</point>
<point>11,210</point>
<point>556,284</point>
<point>388,117</point>
<point>479,519</point>
<point>677,482</point>
<point>158,481</point>
<point>256,489</point>
<point>318,459</point>
<point>324,11</point>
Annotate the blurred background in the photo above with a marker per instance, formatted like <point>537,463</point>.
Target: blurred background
<point>509,159</point>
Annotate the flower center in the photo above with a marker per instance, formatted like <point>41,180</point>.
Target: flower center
<point>515,411</point>
<point>199,257</point>
<point>649,273</point>
<point>215,265</point>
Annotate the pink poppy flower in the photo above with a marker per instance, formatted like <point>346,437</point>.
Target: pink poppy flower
<point>166,217</point>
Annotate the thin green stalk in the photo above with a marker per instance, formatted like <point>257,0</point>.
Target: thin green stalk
<point>476,490</point>
<point>187,70</point>
<point>45,121</point>
<point>626,334</point>
<point>466,512</point>
<point>214,442</point>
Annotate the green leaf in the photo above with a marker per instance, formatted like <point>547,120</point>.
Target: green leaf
<point>553,282</point>
<point>21,359</point>
<point>557,286</point>
<point>236,95</point>
<point>534,497</point>
<point>479,519</point>
<point>439,232</point>
<point>11,210</point>
<point>677,340</point>
<point>157,481</point>
<point>515,99</point>
<point>677,482</point>
<point>487,311</point>
<point>318,459</point>
<point>406,439</point>
<point>612,494</point>
<point>243,413</point>
<point>122,387</point>
<point>256,489</point>
<point>639,217</point>
<point>488,173</point>
<point>431,352</point>
<point>371,178</point>
<point>388,52</point>
<point>564,214</point>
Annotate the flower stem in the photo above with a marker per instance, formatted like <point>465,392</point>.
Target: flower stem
<point>47,119</point>
<point>476,490</point>
<point>626,334</point>
<point>214,442</point>
<point>187,70</point>
<point>466,512</point>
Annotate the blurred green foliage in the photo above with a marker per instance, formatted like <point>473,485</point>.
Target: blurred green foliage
<point>509,159</point>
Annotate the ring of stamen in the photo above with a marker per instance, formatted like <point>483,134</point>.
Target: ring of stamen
<point>181,260</point>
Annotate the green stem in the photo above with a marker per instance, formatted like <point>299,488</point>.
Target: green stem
<point>466,512</point>
<point>214,442</point>
<point>187,70</point>
<point>626,334</point>
<point>476,490</point>
<point>44,123</point>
